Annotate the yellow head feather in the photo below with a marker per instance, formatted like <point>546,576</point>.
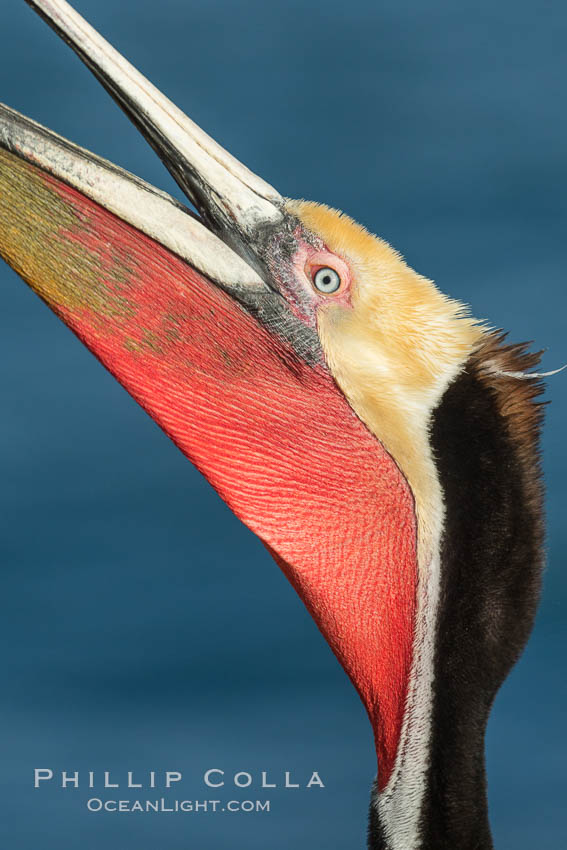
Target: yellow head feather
<point>395,350</point>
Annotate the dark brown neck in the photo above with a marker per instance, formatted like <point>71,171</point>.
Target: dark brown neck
<point>485,443</point>
<point>455,810</point>
<point>454,815</point>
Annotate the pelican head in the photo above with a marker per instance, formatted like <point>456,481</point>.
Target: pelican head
<point>380,442</point>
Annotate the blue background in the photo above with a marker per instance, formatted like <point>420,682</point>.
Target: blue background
<point>143,626</point>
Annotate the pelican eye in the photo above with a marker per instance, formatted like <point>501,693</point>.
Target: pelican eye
<point>326,280</point>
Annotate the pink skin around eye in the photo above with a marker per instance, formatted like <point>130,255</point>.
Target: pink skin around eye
<point>308,261</point>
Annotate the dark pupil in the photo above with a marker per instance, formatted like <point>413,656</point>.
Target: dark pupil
<point>327,279</point>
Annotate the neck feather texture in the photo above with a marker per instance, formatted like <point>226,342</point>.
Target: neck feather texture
<point>484,437</point>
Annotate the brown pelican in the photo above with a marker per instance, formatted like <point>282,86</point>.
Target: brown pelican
<point>381,443</point>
